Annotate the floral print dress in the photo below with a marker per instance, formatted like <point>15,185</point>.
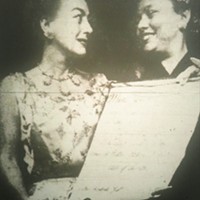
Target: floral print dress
<point>58,118</point>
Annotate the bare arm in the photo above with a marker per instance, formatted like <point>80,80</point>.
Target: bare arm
<point>9,137</point>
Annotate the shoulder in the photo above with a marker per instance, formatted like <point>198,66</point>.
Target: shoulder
<point>94,78</point>
<point>8,95</point>
<point>9,88</point>
<point>99,79</point>
<point>11,82</point>
<point>20,82</point>
<point>99,83</point>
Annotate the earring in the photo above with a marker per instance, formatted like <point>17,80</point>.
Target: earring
<point>48,35</point>
<point>182,26</point>
<point>45,26</point>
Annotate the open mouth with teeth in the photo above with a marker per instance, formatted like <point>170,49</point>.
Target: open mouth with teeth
<point>83,41</point>
<point>146,36</point>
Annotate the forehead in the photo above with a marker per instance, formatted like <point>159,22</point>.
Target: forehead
<point>71,5</point>
<point>156,4</point>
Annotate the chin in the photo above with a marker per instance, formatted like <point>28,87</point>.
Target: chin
<point>149,48</point>
<point>79,53</point>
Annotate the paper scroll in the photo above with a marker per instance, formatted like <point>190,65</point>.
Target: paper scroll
<point>140,140</point>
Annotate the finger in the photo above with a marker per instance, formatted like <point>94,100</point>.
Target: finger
<point>182,79</point>
<point>188,73</point>
<point>161,191</point>
<point>182,82</point>
<point>195,61</point>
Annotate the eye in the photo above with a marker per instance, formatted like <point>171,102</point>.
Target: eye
<point>151,13</point>
<point>79,17</point>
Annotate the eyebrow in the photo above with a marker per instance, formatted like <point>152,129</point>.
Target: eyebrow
<point>146,8</point>
<point>79,9</point>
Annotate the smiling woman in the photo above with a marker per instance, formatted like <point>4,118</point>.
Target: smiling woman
<point>162,35</point>
<point>156,29</point>
<point>49,113</point>
<point>70,28</point>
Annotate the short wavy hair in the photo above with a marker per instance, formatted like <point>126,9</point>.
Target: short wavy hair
<point>47,8</point>
<point>34,11</point>
<point>181,5</point>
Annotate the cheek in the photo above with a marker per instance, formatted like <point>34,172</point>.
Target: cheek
<point>157,22</point>
<point>66,36</point>
<point>165,28</point>
<point>66,29</point>
<point>166,24</point>
<point>74,27</point>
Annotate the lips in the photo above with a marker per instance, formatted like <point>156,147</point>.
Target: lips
<point>146,36</point>
<point>83,41</point>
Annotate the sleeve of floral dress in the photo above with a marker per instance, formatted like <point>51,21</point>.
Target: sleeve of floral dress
<point>9,137</point>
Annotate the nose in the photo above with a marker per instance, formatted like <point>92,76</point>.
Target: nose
<point>86,27</point>
<point>143,22</point>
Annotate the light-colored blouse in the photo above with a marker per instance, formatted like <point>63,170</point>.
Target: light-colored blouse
<point>58,118</point>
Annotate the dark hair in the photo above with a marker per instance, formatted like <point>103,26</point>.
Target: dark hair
<point>42,9</point>
<point>34,12</point>
<point>47,8</point>
<point>181,5</point>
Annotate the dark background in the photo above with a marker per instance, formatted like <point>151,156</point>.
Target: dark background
<point>112,48</point>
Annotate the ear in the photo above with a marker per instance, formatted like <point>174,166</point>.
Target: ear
<point>185,18</point>
<point>46,28</point>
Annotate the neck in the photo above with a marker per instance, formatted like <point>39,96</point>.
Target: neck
<point>177,51</point>
<point>54,61</point>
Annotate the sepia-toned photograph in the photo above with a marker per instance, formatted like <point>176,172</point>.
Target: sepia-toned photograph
<point>100,100</point>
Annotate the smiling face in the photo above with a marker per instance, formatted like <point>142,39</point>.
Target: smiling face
<point>158,25</point>
<point>70,29</point>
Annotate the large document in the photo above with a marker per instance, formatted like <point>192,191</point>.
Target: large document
<point>140,140</point>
